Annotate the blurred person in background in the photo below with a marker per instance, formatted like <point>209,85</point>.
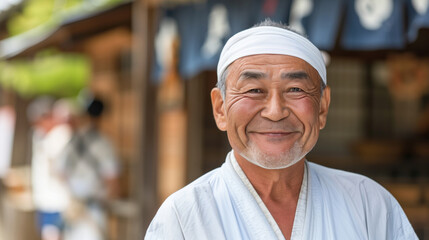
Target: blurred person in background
<point>90,168</point>
<point>50,134</point>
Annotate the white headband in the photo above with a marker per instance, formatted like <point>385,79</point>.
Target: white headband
<point>270,40</point>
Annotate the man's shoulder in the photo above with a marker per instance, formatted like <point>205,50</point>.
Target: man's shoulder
<point>195,191</point>
<point>367,200</point>
<point>191,212</point>
<point>353,183</point>
<point>327,172</point>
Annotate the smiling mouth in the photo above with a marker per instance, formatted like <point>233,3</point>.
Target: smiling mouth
<point>272,131</point>
<point>273,134</point>
<point>273,137</point>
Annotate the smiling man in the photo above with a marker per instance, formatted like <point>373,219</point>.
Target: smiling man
<point>272,99</point>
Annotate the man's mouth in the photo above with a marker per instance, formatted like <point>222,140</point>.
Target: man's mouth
<point>273,134</point>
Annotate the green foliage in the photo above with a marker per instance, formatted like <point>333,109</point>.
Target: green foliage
<point>38,12</point>
<point>51,73</point>
<point>62,75</point>
<point>33,14</point>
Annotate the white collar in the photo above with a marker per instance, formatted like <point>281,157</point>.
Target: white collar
<point>298,223</point>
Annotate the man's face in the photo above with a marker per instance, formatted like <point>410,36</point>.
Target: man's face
<point>273,109</point>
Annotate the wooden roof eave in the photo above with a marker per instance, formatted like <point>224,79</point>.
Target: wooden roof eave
<point>68,32</point>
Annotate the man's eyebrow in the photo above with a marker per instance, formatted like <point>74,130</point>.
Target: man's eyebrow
<point>252,75</point>
<point>295,75</point>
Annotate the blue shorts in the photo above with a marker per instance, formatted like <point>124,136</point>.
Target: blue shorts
<point>50,218</point>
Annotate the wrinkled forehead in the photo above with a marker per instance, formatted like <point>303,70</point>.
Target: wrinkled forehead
<point>270,40</point>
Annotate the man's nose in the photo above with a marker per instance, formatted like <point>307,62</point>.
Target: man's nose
<point>275,108</point>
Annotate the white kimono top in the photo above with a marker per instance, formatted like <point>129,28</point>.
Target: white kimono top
<point>333,204</point>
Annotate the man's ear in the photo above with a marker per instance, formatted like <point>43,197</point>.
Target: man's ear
<point>324,107</point>
<point>218,109</point>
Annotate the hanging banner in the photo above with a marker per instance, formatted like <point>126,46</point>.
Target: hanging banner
<point>318,19</point>
<point>193,20</point>
<point>205,27</point>
<point>166,33</point>
<point>276,10</point>
<point>418,17</point>
<point>373,25</point>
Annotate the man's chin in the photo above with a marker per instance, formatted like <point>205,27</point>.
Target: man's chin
<point>271,161</point>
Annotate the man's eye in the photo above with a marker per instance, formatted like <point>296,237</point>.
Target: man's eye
<point>254,91</point>
<point>295,89</point>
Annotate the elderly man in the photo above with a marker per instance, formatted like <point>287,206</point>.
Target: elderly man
<point>272,100</point>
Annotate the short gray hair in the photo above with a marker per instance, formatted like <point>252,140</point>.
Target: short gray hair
<point>221,83</point>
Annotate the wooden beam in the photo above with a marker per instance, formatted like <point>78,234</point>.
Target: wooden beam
<point>144,175</point>
<point>75,30</point>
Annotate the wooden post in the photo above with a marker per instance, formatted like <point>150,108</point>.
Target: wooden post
<point>143,172</point>
<point>172,131</point>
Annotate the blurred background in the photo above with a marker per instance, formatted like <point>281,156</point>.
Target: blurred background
<point>152,64</point>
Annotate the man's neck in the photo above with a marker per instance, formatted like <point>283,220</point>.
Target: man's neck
<point>274,183</point>
<point>279,189</point>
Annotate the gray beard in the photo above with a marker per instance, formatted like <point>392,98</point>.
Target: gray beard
<point>264,160</point>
